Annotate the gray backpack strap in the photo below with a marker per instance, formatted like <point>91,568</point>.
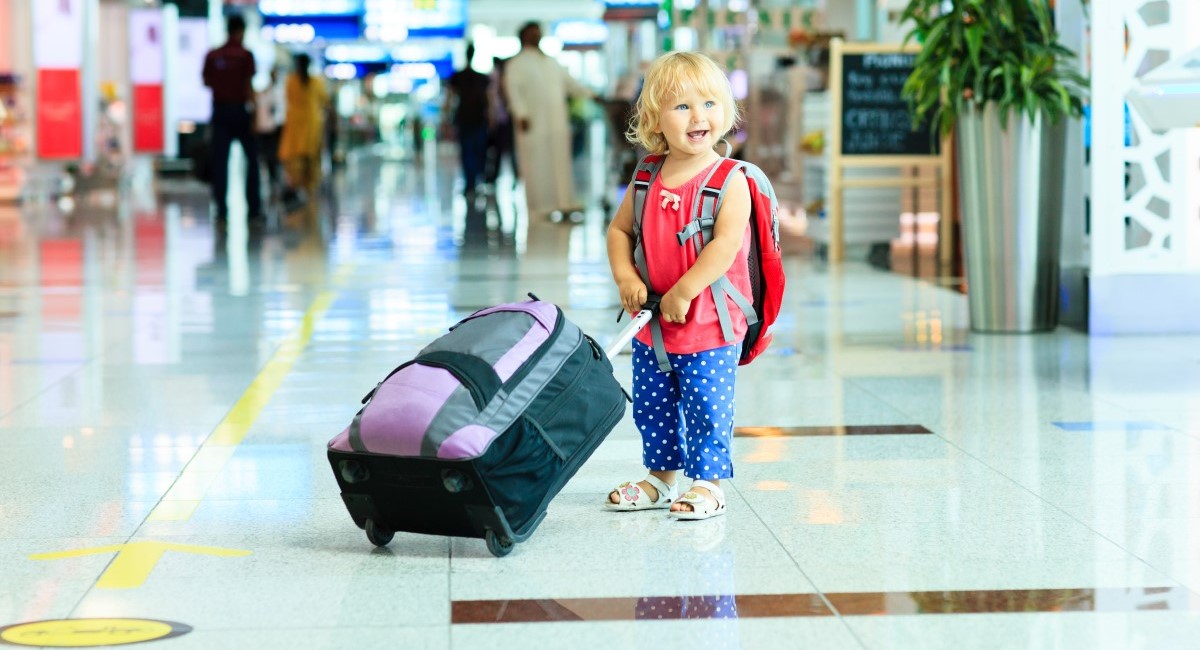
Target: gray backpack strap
<point>700,231</point>
<point>640,189</point>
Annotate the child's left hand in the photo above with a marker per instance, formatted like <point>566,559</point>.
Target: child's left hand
<point>674,308</point>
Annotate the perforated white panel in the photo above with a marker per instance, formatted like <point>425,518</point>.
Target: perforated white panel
<point>1148,226</point>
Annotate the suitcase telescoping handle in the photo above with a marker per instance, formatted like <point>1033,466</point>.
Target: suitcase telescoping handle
<point>639,321</point>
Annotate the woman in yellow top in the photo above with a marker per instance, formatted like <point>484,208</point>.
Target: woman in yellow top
<point>304,126</point>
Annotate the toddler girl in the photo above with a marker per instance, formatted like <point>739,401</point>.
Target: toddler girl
<point>683,405</point>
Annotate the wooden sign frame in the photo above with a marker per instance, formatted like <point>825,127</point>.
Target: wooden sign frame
<point>839,162</point>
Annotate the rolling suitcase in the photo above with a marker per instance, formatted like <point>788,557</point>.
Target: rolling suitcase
<point>477,434</point>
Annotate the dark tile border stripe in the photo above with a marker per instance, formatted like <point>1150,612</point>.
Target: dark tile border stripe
<point>846,430</point>
<point>550,610</point>
<point>636,609</point>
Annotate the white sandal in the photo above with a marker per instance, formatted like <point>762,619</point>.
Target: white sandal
<point>702,506</point>
<point>633,497</point>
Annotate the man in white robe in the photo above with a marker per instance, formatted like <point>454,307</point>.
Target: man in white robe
<point>537,88</point>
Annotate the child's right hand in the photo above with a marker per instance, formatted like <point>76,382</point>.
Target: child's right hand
<point>633,295</point>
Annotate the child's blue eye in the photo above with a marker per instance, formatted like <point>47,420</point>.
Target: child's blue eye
<point>709,104</point>
<point>681,107</point>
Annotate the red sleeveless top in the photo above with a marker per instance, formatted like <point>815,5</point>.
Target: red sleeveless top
<point>663,217</point>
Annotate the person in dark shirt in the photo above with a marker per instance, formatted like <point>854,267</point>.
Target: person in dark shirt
<point>471,116</point>
<point>500,136</point>
<point>228,71</point>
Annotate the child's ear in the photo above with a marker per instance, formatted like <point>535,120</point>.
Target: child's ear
<point>658,127</point>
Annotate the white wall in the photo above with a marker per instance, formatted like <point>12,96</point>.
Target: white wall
<point>842,16</point>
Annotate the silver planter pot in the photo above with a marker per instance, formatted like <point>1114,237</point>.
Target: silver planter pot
<point>1011,188</point>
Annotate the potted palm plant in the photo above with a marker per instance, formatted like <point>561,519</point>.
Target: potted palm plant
<point>994,72</point>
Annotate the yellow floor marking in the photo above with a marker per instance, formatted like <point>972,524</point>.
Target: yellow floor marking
<point>89,632</point>
<point>180,502</point>
<point>136,560</point>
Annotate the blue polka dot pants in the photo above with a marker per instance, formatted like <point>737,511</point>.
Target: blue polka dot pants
<point>686,417</point>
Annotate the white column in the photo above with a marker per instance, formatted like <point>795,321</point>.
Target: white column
<point>216,22</point>
<point>1145,271</point>
<point>170,52</point>
<point>1071,25</point>
<point>90,78</point>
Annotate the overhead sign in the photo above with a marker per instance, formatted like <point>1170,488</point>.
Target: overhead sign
<point>392,21</point>
<point>292,8</point>
<point>581,34</point>
<point>306,29</point>
<point>630,10</point>
<point>90,632</point>
<point>355,53</point>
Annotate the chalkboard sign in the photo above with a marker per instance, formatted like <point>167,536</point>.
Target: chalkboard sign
<point>875,117</point>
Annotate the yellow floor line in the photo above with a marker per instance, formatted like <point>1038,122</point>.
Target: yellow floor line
<point>180,502</point>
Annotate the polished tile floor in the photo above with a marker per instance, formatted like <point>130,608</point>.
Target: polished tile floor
<point>167,390</point>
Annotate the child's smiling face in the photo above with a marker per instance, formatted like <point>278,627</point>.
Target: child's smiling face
<point>688,121</point>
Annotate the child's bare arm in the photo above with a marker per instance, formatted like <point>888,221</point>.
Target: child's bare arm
<point>620,256</point>
<point>717,255</point>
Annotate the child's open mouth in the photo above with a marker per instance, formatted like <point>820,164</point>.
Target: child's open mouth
<point>697,136</point>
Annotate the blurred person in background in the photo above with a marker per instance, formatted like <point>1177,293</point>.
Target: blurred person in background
<point>268,120</point>
<point>537,88</point>
<point>300,142</point>
<point>467,92</point>
<point>500,135</point>
<point>229,71</point>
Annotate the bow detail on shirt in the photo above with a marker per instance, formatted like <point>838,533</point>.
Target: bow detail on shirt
<point>668,197</point>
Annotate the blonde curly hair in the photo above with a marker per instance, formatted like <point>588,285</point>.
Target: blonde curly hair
<point>670,74</point>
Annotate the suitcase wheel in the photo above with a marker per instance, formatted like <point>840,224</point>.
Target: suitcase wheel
<point>499,546</point>
<point>377,535</point>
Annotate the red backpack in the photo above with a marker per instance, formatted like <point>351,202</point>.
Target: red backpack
<point>766,265</point>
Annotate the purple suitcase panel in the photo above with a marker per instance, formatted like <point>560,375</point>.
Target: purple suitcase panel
<point>398,418</point>
<point>402,409</point>
<point>468,442</point>
<point>341,442</point>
